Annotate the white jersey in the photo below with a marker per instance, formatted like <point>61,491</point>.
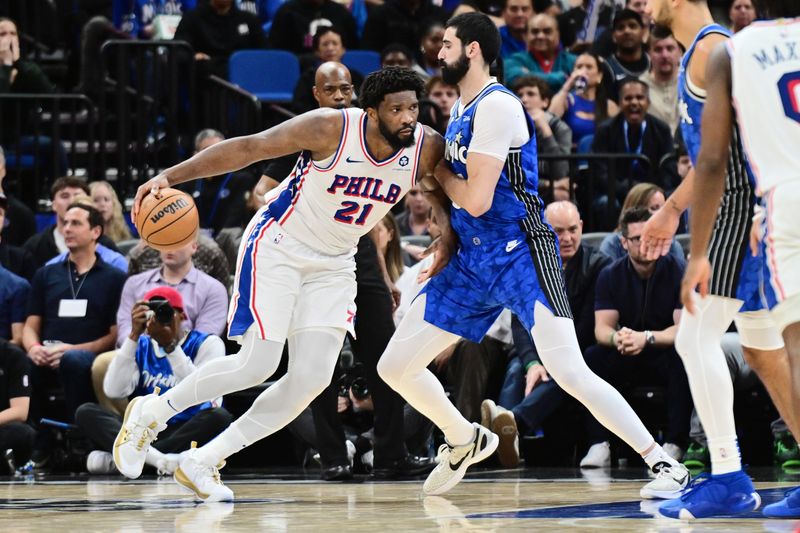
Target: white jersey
<point>765,65</point>
<point>328,205</point>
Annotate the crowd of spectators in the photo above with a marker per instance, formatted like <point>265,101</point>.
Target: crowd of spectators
<point>89,319</point>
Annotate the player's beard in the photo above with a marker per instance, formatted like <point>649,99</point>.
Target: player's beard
<point>452,74</point>
<point>394,140</point>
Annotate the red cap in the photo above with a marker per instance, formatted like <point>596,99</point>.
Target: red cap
<point>167,293</point>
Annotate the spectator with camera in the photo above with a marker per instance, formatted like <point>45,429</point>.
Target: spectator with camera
<point>205,299</point>
<point>157,354</point>
<point>15,392</point>
<point>637,308</point>
<point>71,317</point>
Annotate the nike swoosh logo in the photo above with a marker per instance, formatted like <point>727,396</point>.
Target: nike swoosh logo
<point>352,160</point>
<point>475,448</point>
<point>511,245</point>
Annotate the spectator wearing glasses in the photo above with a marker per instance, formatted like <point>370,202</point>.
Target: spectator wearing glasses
<point>637,308</point>
<point>646,195</point>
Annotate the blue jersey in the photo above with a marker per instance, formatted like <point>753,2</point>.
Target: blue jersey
<point>515,198</point>
<point>508,257</point>
<point>735,273</point>
<point>691,100</point>
<point>131,16</point>
<point>155,371</point>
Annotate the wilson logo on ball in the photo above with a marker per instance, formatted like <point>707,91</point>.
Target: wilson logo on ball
<point>171,209</point>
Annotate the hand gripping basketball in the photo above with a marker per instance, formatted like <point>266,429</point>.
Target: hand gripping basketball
<point>152,186</point>
<point>166,218</point>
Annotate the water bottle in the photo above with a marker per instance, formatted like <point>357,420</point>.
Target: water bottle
<point>581,84</point>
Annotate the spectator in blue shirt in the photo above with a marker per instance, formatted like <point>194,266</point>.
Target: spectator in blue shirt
<point>637,308</point>
<point>514,35</point>
<point>14,292</point>
<point>71,316</point>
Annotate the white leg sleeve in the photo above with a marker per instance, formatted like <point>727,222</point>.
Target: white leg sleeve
<point>403,366</point>
<point>255,362</point>
<point>312,357</point>
<point>698,342</point>
<point>559,351</point>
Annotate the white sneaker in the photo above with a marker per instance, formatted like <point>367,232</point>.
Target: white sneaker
<point>201,479</point>
<point>504,426</point>
<point>139,429</point>
<point>100,462</point>
<point>673,450</point>
<point>669,482</point>
<point>453,461</point>
<point>598,456</point>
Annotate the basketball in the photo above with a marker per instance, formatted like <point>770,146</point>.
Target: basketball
<point>167,221</point>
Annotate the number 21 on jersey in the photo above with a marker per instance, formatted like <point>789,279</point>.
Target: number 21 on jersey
<point>349,210</point>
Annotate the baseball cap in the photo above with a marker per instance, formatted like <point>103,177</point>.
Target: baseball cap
<point>169,294</point>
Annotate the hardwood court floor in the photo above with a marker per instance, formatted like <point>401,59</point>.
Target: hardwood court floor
<point>534,499</point>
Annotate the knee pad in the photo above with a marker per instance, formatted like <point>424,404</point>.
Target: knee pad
<point>758,330</point>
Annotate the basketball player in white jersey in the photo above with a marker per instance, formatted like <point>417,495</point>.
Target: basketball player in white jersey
<point>295,275</point>
<point>754,78</point>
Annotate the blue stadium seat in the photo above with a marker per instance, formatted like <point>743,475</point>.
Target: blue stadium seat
<point>270,75</point>
<point>363,61</point>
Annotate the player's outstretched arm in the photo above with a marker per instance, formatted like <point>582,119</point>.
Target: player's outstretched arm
<point>318,131</point>
<point>712,161</point>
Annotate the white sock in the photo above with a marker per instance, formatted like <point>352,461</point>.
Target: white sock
<point>658,455</point>
<point>404,367</point>
<point>699,344</point>
<point>153,456</point>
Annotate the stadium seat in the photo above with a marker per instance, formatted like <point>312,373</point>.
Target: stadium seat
<point>126,246</point>
<point>362,61</point>
<point>270,75</point>
<point>594,239</point>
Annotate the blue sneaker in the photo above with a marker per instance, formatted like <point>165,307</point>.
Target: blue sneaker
<point>724,494</point>
<point>789,507</point>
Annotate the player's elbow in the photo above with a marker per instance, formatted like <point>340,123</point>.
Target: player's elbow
<point>478,207</point>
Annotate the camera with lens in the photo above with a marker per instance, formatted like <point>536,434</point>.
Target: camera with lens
<point>354,380</point>
<point>162,311</point>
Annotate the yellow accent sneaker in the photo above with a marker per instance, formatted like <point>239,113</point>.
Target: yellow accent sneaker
<point>138,431</point>
<point>201,479</point>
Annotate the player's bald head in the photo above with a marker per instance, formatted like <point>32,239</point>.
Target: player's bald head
<point>333,85</point>
<point>332,71</point>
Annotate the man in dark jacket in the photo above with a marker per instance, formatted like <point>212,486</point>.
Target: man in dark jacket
<point>216,29</point>
<point>635,131</point>
<point>20,222</point>
<point>400,21</point>
<point>529,396</point>
<point>13,258</point>
<point>297,21</point>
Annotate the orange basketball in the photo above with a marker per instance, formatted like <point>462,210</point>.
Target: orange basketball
<point>167,221</point>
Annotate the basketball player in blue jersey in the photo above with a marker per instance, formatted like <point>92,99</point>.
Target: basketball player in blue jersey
<point>734,292</point>
<point>758,71</point>
<point>507,257</point>
<point>295,275</point>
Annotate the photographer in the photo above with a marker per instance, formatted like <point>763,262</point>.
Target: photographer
<point>157,353</point>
